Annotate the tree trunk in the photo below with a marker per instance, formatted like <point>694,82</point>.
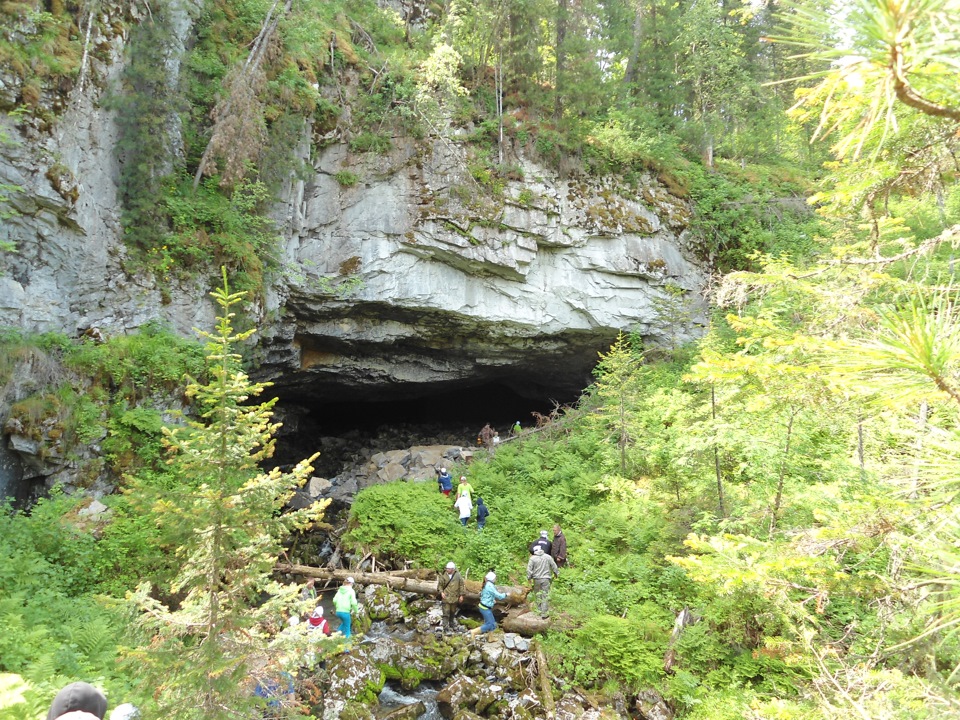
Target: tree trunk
<point>783,472</point>
<point>403,583</point>
<point>562,11</point>
<point>716,452</point>
<point>630,74</point>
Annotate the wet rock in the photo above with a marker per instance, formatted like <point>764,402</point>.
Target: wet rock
<point>461,694</point>
<point>354,680</point>
<point>383,604</point>
<point>407,712</point>
<point>413,662</point>
<point>489,695</point>
<point>466,715</point>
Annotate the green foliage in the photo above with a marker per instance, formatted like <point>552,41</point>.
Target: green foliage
<point>55,629</point>
<point>39,48</point>
<point>145,109</point>
<point>346,178</point>
<point>199,653</point>
<point>629,651</point>
<point>135,366</point>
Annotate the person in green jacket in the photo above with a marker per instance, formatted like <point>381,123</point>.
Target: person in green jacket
<point>345,603</point>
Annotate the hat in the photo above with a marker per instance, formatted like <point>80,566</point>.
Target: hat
<point>543,533</point>
<point>490,576</point>
<point>350,580</point>
<point>317,611</point>
<point>78,696</point>
<point>443,469</point>
<point>463,478</point>
<point>538,550</point>
<point>451,566</point>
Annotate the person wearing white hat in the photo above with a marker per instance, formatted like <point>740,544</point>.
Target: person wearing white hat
<point>345,603</point>
<point>450,587</point>
<point>542,542</point>
<point>488,598</point>
<point>316,621</point>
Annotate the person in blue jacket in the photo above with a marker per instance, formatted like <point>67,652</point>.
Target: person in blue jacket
<point>488,598</point>
<point>444,481</point>
<point>482,512</point>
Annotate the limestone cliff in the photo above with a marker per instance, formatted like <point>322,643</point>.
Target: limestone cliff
<point>452,282</point>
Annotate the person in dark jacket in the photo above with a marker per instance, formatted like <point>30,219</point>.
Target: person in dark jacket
<point>558,548</point>
<point>541,542</point>
<point>482,512</point>
<point>78,701</point>
<point>444,481</point>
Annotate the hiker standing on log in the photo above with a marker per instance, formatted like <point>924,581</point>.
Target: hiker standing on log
<point>451,587</point>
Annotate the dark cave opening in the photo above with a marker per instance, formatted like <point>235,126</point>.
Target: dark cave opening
<point>340,431</point>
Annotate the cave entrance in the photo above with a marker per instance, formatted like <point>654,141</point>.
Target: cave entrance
<point>346,432</point>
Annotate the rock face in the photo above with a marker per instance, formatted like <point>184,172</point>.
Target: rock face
<point>457,285</point>
<point>402,275</point>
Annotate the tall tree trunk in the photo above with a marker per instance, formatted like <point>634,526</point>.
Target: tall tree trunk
<point>630,74</point>
<point>562,17</point>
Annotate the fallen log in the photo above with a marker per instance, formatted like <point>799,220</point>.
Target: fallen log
<point>546,691</point>
<point>523,622</point>
<point>515,595</point>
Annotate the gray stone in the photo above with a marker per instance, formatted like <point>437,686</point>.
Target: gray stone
<point>318,486</point>
<point>95,510</point>
<point>407,712</point>
<point>651,706</point>
<point>460,694</point>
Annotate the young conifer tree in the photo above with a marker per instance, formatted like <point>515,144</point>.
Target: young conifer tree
<point>201,653</point>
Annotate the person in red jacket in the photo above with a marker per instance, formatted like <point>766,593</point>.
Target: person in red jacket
<point>316,621</point>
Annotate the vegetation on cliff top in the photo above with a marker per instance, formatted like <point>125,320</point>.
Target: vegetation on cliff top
<point>790,479</point>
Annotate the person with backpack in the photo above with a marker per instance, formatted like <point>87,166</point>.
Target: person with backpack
<point>482,512</point>
<point>345,603</point>
<point>488,598</point>
<point>444,481</point>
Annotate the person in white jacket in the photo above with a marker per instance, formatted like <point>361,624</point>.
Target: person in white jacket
<point>465,505</point>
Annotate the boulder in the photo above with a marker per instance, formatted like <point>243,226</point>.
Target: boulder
<point>412,662</point>
<point>407,712</point>
<point>318,486</point>
<point>354,680</point>
<point>651,706</point>
<point>383,604</point>
<point>460,694</point>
